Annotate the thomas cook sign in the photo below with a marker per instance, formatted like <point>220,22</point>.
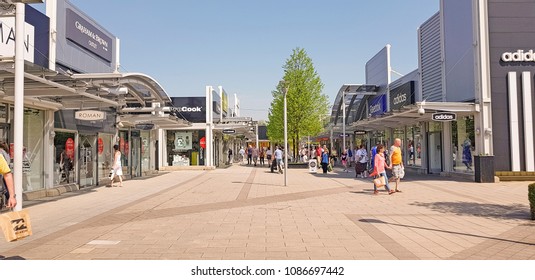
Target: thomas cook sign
<point>90,115</point>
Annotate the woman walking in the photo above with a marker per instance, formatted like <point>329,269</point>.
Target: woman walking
<point>379,169</point>
<point>325,160</point>
<point>344,160</point>
<point>117,167</point>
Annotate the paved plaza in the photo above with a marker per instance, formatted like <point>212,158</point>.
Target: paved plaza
<point>245,212</point>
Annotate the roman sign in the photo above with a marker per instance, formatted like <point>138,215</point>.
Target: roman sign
<point>444,117</point>
<point>86,35</point>
<point>90,115</point>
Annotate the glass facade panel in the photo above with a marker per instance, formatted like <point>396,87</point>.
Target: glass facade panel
<point>124,147</point>
<point>183,148</point>
<point>145,151</point>
<point>463,144</point>
<point>105,155</point>
<point>64,158</point>
<point>32,162</point>
<point>414,146</point>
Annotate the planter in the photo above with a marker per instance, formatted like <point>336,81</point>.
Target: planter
<point>484,169</point>
<point>531,197</point>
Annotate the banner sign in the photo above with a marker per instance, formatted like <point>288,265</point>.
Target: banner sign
<point>88,36</point>
<point>444,117</point>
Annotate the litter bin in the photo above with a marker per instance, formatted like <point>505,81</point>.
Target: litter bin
<point>312,166</point>
<point>484,169</point>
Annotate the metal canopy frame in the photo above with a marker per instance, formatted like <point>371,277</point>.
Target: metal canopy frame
<point>357,93</point>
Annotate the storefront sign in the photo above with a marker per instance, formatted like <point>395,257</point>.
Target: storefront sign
<point>360,132</point>
<point>342,135</point>
<point>377,106</point>
<point>202,142</point>
<point>191,108</point>
<point>69,148</point>
<point>7,39</point>
<point>402,96</point>
<point>88,36</point>
<point>100,145</point>
<point>90,115</point>
<point>144,126</point>
<point>229,131</point>
<point>444,117</point>
<point>518,56</point>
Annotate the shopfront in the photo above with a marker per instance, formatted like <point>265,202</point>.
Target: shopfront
<point>83,144</point>
<point>184,147</point>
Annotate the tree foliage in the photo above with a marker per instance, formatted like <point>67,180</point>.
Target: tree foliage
<point>305,101</point>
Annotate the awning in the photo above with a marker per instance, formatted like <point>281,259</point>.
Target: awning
<point>410,115</point>
<point>55,91</point>
<point>164,121</point>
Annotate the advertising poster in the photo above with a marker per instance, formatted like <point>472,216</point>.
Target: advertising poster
<point>183,140</point>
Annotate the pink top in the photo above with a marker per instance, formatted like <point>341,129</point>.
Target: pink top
<point>379,163</point>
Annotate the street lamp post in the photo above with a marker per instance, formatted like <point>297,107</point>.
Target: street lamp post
<point>285,92</point>
<point>343,121</point>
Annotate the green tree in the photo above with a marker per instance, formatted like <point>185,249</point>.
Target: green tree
<point>305,101</point>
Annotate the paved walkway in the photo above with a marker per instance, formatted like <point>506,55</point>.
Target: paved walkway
<point>245,213</point>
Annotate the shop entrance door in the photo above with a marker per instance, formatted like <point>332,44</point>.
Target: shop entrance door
<point>87,163</point>
<point>136,155</point>
<point>435,152</point>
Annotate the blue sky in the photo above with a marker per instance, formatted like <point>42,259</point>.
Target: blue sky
<point>243,44</point>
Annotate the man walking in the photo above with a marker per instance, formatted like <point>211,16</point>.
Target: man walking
<point>397,162</point>
<point>249,155</point>
<point>278,158</point>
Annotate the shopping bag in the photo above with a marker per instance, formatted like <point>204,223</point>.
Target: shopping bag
<point>379,181</point>
<point>402,173</point>
<point>16,225</point>
<point>112,172</point>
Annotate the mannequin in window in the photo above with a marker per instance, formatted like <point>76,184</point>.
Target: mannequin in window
<point>467,154</point>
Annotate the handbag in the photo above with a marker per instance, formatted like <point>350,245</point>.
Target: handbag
<point>329,168</point>
<point>402,173</point>
<point>16,225</point>
<point>379,181</point>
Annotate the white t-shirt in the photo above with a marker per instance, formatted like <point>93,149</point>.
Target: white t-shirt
<point>361,156</point>
<point>278,154</point>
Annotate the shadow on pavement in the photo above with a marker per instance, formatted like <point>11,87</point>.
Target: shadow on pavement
<point>506,212</point>
<point>375,221</point>
<point>3,258</point>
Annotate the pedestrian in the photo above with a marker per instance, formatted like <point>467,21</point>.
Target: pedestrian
<point>117,166</point>
<point>319,153</point>
<point>380,168</point>
<point>269,155</point>
<point>325,160</point>
<point>344,160</point>
<point>262,155</point>
<point>350,156</point>
<point>373,153</point>
<point>5,171</point>
<point>242,155</point>
<point>255,155</point>
<point>361,162</point>
<point>229,156</point>
<point>278,158</point>
<point>396,161</point>
<point>249,154</point>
